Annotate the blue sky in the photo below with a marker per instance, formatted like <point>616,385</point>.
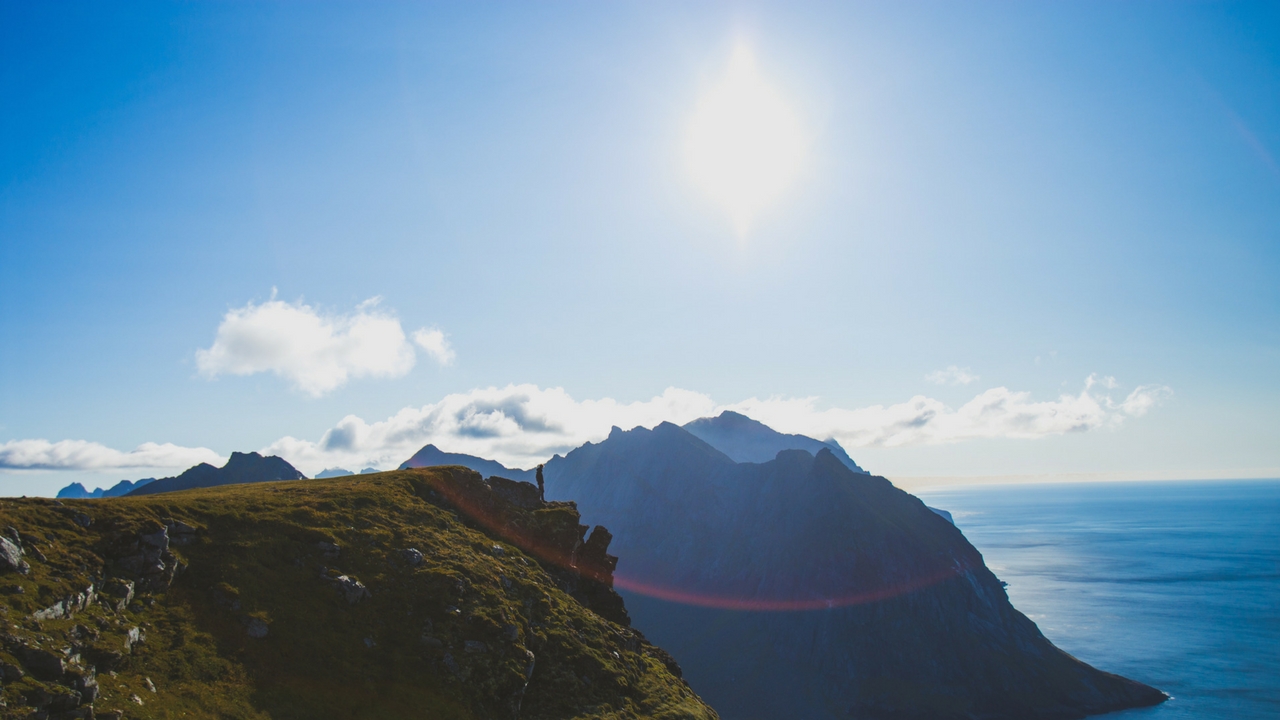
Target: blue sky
<point>1033,194</point>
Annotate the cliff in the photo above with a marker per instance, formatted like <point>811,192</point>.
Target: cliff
<point>800,588</point>
<point>419,593</point>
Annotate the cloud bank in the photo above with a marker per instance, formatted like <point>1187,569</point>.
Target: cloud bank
<point>84,455</point>
<point>522,425</point>
<point>316,353</point>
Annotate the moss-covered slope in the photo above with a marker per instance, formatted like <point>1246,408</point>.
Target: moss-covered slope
<point>417,593</point>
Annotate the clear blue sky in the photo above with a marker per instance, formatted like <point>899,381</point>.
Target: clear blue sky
<point>1032,192</point>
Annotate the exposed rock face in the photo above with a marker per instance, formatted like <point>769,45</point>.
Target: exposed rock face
<point>580,565</point>
<point>11,557</point>
<point>240,469</point>
<point>799,588</point>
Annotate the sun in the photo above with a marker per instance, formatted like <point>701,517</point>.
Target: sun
<point>744,145</point>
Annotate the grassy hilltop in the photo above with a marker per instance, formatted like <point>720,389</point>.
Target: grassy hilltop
<point>419,593</point>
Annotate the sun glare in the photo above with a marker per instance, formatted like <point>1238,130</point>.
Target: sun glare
<point>744,144</point>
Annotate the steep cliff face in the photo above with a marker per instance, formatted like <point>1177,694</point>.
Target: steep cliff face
<point>799,588</point>
<point>421,593</point>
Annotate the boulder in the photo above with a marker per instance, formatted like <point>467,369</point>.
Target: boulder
<point>257,628</point>
<point>118,593</point>
<point>413,557</point>
<point>353,590</point>
<point>43,664</point>
<point>11,557</point>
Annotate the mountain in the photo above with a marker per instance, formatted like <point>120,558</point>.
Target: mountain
<point>747,440</point>
<point>333,473</point>
<point>798,587</point>
<point>432,456</point>
<point>418,593</point>
<point>76,491</point>
<point>241,468</point>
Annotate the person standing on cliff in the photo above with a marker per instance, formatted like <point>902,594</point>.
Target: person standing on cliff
<point>542,488</point>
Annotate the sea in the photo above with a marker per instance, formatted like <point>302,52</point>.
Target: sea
<point>1175,584</point>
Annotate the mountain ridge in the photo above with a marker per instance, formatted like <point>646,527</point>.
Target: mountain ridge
<point>800,588</point>
<point>240,468</point>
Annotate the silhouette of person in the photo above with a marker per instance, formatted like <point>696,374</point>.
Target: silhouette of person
<point>542,488</point>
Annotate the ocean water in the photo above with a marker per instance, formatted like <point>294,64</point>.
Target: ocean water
<point>1176,584</point>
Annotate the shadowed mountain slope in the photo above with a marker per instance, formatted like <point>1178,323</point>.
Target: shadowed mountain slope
<point>800,588</point>
<point>418,593</point>
<point>747,440</point>
<point>240,469</point>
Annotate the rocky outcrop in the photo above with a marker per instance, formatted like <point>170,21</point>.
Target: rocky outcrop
<point>549,531</point>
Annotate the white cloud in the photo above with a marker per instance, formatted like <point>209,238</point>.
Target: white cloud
<point>84,455</point>
<point>518,425</point>
<point>521,425</point>
<point>435,344</point>
<point>951,376</point>
<point>315,352</point>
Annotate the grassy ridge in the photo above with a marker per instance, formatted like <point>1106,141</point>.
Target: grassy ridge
<point>453,636</point>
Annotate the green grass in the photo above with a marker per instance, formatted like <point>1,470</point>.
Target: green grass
<point>256,557</point>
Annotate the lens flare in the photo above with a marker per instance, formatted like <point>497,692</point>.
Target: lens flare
<point>744,144</point>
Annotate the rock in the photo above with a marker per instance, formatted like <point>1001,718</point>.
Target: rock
<point>41,663</point>
<point>105,659</point>
<point>511,632</point>
<point>257,628</point>
<point>432,642</point>
<point>135,699</point>
<point>157,539</point>
<point>82,519</point>
<point>452,664</point>
<point>353,590</point>
<point>110,715</point>
<point>369,642</point>
<point>68,606</point>
<point>180,533</point>
<point>11,557</point>
<point>150,685</point>
<point>84,682</point>
<point>330,550</point>
<point>10,672</point>
<point>120,593</point>
<point>497,551</point>
<point>474,646</point>
<point>413,556</point>
<point>134,637</point>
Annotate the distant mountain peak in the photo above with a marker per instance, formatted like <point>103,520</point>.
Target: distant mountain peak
<point>241,468</point>
<point>745,439</point>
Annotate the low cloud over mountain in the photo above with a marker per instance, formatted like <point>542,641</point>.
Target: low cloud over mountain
<point>522,425</point>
